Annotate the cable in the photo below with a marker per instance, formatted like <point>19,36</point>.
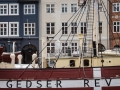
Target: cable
<point>109,22</point>
<point>61,50</point>
<point>44,47</point>
<point>68,21</point>
<point>99,32</point>
<point>88,12</point>
<point>69,36</point>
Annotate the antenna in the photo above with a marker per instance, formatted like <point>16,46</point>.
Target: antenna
<point>28,32</point>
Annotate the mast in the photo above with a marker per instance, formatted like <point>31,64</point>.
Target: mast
<point>89,27</point>
<point>92,26</point>
<point>95,29</point>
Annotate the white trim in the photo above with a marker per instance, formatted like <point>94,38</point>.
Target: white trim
<point>13,4</point>
<point>30,28</point>
<point>64,8</point>
<point>13,27</point>
<point>97,72</point>
<point>76,7</point>
<point>50,7</point>
<point>3,8</point>
<point>70,43</point>
<point>6,28</point>
<point>74,29</point>
<point>64,28</point>
<point>83,27</point>
<point>115,7</point>
<point>50,28</point>
<point>27,12</point>
<point>50,46</point>
<point>116,26</point>
<point>65,46</point>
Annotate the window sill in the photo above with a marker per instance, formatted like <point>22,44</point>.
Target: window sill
<point>13,14</point>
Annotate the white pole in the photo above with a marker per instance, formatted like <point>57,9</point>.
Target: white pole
<point>13,47</point>
<point>95,27</point>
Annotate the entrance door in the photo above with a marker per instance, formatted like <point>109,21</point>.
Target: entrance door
<point>27,52</point>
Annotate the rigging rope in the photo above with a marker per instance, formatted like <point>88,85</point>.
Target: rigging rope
<point>112,21</point>
<point>67,39</point>
<point>107,20</point>
<point>99,32</point>
<point>45,46</point>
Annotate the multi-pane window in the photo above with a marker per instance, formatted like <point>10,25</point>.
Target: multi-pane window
<point>29,28</point>
<point>100,27</point>
<point>84,47</point>
<point>74,46</point>
<point>64,28</point>
<point>50,28</point>
<point>50,8</point>
<point>116,7</point>
<point>64,47</point>
<point>3,28</point>
<point>116,27</point>
<point>13,28</point>
<point>83,27</point>
<point>50,47</point>
<point>74,28</point>
<point>13,9</point>
<point>73,7</point>
<point>100,7</point>
<point>3,9</point>
<point>29,9</point>
<point>64,8</point>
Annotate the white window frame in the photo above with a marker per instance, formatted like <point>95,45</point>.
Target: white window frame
<point>100,26</point>
<point>73,7</point>
<point>64,27</point>
<point>69,44</point>
<point>13,9</point>
<point>64,7</point>
<point>4,27</point>
<point>84,26</point>
<point>114,5</point>
<point>75,27</point>
<point>28,29</point>
<point>51,47</point>
<point>117,26</point>
<point>100,8</point>
<point>75,47</point>
<point>50,8</point>
<point>26,5</point>
<point>3,9</point>
<point>64,47</point>
<point>85,47</point>
<point>14,27</point>
<point>50,27</point>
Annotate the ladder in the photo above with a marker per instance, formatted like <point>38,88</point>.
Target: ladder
<point>89,28</point>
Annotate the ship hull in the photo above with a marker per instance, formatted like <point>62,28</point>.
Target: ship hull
<point>98,78</point>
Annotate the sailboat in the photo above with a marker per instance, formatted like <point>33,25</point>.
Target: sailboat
<point>90,70</point>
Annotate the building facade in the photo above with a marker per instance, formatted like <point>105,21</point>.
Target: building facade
<point>114,21</point>
<point>19,22</point>
<point>55,17</point>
